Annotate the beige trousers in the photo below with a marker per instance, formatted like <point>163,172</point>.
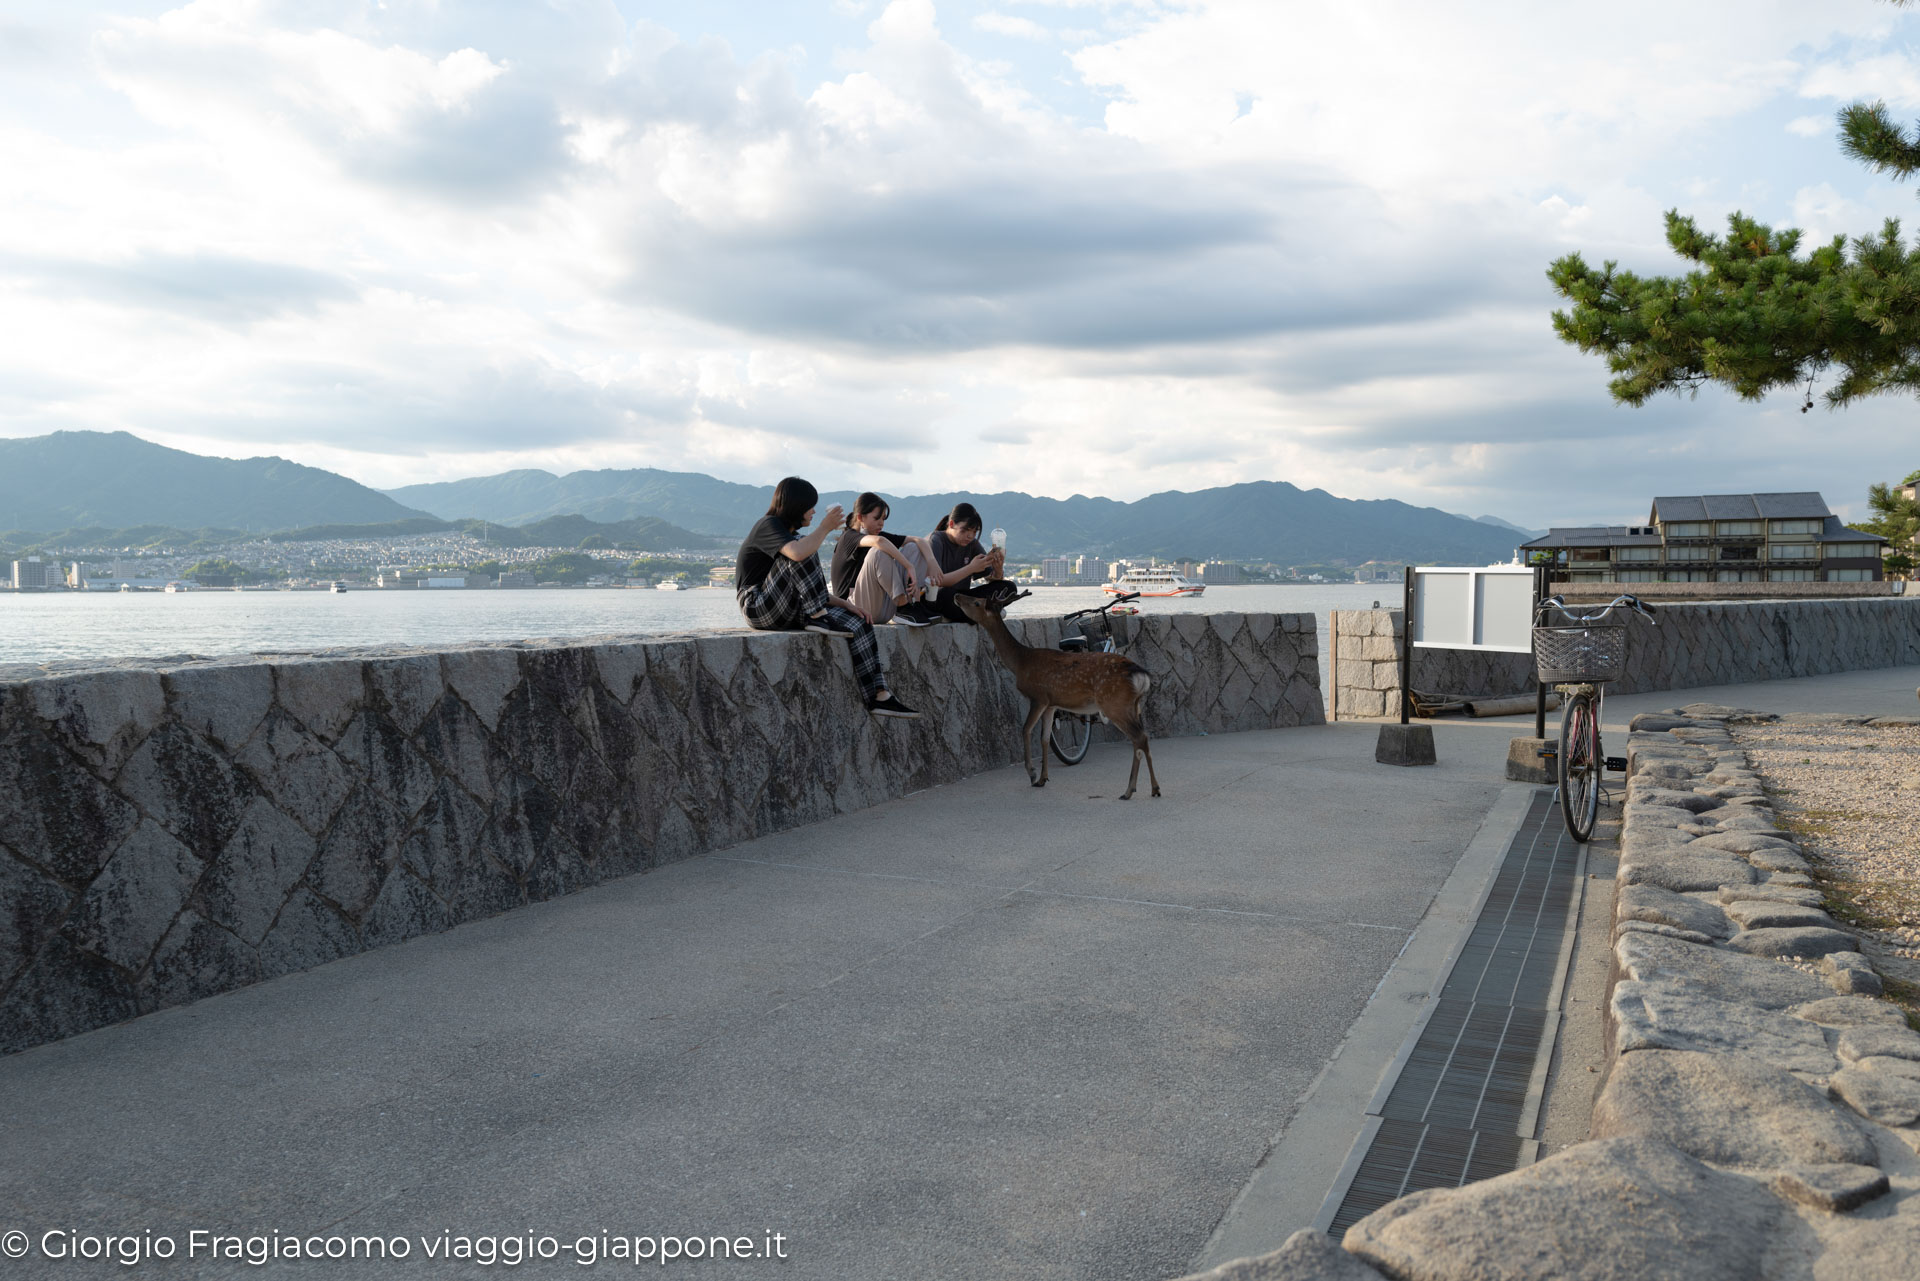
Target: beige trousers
<point>881,579</point>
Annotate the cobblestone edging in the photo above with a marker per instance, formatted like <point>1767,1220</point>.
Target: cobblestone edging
<point>169,832</point>
<point>1761,1114</point>
<point>1696,644</point>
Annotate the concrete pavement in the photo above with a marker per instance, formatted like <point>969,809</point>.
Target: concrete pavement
<point>981,1031</point>
<point>986,1030</point>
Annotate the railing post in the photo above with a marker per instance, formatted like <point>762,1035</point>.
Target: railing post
<point>1406,648</point>
<point>1539,690</point>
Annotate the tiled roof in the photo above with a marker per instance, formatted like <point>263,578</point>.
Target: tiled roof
<point>1834,530</point>
<point>1801,506</point>
<point>1593,536</point>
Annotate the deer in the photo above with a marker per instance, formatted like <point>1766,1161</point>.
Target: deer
<point>1053,680</point>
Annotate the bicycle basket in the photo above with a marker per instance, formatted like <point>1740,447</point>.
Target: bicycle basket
<point>1566,655</point>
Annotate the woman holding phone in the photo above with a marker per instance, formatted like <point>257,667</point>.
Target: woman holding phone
<point>959,559</point>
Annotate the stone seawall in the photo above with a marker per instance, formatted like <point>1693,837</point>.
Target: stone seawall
<point>172,831</point>
<point>1696,644</point>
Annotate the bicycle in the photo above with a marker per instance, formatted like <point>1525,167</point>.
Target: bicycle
<point>1071,734</point>
<point>1578,658</point>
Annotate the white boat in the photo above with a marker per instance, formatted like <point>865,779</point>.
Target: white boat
<point>178,586</point>
<point>337,587</point>
<point>1154,580</point>
<point>666,585</point>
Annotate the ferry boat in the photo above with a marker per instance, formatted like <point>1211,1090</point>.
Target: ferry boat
<point>667,585</point>
<point>178,586</point>
<point>337,586</point>
<point>1154,580</point>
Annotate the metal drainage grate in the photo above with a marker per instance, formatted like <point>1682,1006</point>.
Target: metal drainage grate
<point>1466,1101</point>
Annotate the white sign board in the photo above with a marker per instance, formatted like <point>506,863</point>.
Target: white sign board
<point>1489,608</point>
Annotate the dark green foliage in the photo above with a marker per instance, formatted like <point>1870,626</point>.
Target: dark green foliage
<point>218,571</point>
<point>1757,316</point>
<point>382,529</point>
<point>1896,518</point>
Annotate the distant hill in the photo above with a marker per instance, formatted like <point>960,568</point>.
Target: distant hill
<point>1261,520</point>
<point>1507,524</point>
<point>643,533</point>
<point>73,479</point>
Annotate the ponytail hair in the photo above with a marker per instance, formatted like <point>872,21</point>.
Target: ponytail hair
<point>793,498</point>
<point>962,514</point>
<point>868,502</point>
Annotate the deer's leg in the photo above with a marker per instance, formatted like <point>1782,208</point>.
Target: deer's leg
<point>1147,751</point>
<point>1026,745</point>
<point>1046,737</point>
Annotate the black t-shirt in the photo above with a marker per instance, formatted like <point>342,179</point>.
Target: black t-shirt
<point>952,556</point>
<point>849,556</point>
<point>757,552</point>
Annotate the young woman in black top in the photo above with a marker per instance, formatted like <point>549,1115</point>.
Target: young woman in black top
<point>778,582</point>
<point>959,559</point>
<point>881,572</point>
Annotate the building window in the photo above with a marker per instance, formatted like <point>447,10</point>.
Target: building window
<point>1689,553</point>
<point>1849,575</point>
<point>1689,529</point>
<point>1738,576</point>
<point>1793,551</point>
<point>1795,527</point>
<point>1851,549</point>
<point>1636,553</point>
<point>1637,576</point>
<point>1590,553</point>
<point>1792,576</point>
<point>1740,528</point>
<point>1740,553</point>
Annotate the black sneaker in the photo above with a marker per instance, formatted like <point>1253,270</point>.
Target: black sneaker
<point>827,627</point>
<point>891,706</point>
<point>915,615</point>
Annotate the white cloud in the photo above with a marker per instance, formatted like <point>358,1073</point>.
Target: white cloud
<point>1003,24</point>
<point>419,241</point>
<point>1809,126</point>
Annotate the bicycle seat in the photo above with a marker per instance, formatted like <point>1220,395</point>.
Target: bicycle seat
<point>1074,644</point>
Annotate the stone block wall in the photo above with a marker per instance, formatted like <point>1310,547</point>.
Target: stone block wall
<point>169,832</point>
<point>1697,643</point>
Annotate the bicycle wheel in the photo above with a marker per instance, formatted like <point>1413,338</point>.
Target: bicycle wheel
<point>1070,737</point>
<point>1580,766</point>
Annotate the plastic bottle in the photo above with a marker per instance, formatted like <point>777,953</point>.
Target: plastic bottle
<point>999,537</point>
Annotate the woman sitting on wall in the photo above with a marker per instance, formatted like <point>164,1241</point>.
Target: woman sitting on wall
<point>959,559</point>
<point>881,572</point>
<point>780,588</point>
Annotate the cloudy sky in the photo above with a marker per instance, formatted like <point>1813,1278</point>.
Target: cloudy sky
<point>1093,246</point>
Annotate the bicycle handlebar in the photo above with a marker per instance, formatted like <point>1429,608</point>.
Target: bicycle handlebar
<point>1633,602</point>
<point>1100,609</point>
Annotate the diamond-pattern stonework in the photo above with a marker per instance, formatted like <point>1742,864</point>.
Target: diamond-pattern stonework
<point>172,831</point>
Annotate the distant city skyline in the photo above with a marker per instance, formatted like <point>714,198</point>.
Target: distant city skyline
<point>1109,247</point>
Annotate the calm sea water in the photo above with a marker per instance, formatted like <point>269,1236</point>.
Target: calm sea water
<point>44,627</point>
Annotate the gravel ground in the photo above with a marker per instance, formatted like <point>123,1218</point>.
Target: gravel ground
<point>1852,794</point>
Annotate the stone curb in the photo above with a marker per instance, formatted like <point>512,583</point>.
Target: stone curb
<point>1761,1114</point>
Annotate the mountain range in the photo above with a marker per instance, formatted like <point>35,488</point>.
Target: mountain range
<point>74,479</point>
<point>1256,521</point>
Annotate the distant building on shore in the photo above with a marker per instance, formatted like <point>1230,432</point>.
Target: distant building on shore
<point>34,574</point>
<point>1717,538</point>
<point>1217,572</point>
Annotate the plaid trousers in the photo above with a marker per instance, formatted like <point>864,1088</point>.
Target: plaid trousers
<point>787,600</point>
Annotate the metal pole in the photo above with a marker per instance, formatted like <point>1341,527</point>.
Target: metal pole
<point>1406,648</point>
<point>1539,690</point>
